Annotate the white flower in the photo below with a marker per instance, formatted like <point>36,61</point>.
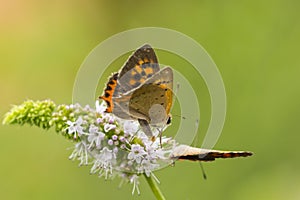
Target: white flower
<point>95,136</point>
<point>77,108</point>
<point>81,153</point>
<point>104,162</point>
<point>147,167</point>
<point>114,137</point>
<point>115,150</point>
<point>108,127</point>
<point>106,154</point>
<point>155,152</point>
<point>87,108</point>
<point>122,139</point>
<point>100,108</point>
<point>110,142</point>
<point>111,119</point>
<point>137,153</point>
<point>75,127</point>
<point>130,127</point>
<point>111,149</point>
<point>99,120</point>
<point>150,159</point>
<point>134,179</point>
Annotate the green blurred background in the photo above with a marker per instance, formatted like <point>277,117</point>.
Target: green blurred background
<point>255,44</point>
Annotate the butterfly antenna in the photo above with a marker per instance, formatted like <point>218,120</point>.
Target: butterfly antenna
<point>175,94</point>
<point>183,117</point>
<point>196,139</point>
<point>197,123</point>
<point>160,135</point>
<point>203,172</point>
<point>174,99</point>
<point>177,88</point>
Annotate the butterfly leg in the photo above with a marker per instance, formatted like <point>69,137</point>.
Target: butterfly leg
<point>160,135</point>
<point>203,172</point>
<point>146,128</point>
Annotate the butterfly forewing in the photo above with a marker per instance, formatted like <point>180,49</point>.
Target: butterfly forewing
<point>141,66</point>
<point>144,54</point>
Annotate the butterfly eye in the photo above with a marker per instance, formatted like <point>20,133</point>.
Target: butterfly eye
<point>169,120</point>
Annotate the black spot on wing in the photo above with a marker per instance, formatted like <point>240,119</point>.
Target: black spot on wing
<point>137,76</point>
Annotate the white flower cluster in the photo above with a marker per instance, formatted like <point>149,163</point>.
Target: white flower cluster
<point>117,147</point>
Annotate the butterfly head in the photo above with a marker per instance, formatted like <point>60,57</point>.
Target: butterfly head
<point>159,116</point>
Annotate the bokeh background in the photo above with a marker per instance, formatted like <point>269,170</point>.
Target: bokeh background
<point>255,44</point>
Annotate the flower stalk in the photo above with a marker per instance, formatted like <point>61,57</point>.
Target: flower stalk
<point>154,187</point>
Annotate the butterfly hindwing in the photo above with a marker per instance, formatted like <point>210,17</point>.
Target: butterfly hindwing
<point>109,92</point>
<point>152,101</point>
<point>164,80</point>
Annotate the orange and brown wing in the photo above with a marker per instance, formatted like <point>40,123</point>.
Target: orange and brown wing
<point>141,66</point>
<point>109,92</point>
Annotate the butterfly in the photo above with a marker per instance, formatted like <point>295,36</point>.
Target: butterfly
<point>141,91</point>
<point>184,152</point>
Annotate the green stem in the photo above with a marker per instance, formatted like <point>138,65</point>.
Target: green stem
<point>154,187</point>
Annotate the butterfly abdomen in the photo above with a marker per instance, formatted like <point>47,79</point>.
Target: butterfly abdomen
<point>109,91</point>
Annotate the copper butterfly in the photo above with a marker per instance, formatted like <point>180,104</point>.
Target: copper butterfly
<point>141,90</point>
